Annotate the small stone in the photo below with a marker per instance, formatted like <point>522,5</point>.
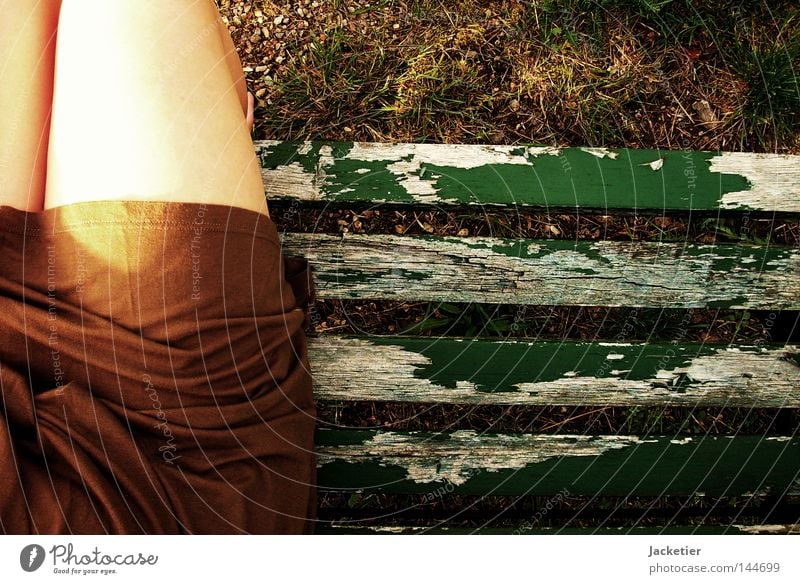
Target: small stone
<point>278,19</point>
<point>704,111</point>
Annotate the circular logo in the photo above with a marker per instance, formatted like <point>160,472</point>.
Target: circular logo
<point>31,557</point>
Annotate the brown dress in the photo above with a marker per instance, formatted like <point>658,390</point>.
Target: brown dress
<point>154,372</point>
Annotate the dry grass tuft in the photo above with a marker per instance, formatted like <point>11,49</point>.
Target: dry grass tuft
<point>708,75</point>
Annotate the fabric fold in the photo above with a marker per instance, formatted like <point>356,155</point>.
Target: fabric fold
<point>154,372</point>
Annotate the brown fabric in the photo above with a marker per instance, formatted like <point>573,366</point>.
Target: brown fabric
<point>154,372</point>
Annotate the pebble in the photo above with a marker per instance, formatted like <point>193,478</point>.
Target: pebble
<point>278,19</point>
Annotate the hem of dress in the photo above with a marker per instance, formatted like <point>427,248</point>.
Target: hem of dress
<point>135,214</point>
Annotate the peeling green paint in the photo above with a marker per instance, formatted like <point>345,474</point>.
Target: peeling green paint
<point>651,466</point>
<point>489,372</point>
<point>653,180</point>
<point>551,272</point>
<point>500,365</point>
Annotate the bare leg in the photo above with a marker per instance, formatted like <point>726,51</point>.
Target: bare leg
<point>234,64</point>
<point>27,50</point>
<point>146,108</point>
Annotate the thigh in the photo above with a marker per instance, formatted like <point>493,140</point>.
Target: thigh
<point>27,50</point>
<point>234,64</point>
<point>146,108</point>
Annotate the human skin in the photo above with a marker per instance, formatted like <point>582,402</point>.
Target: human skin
<point>148,102</point>
<point>27,60</point>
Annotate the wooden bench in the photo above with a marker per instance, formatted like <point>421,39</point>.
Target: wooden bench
<point>611,372</point>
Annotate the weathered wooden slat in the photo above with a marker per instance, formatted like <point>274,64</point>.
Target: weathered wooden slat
<point>352,528</point>
<point>567,178</point>
<point>467,462</point>
<point>472,371</point>
<point>543,272</point>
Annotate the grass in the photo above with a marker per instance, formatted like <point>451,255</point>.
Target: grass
<point>771,109</point>
<point>567,72</point>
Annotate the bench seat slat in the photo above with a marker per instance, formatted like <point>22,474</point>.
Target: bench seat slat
<point>550,272</point>
<point>487,372</point>
<point>567,178</point>
<point>466,462</point>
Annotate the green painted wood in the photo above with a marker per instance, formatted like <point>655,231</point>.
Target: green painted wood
<point>466,462</point>
<point>528,176</point>
<point>545,272</point>
<point>473,371</point>
<point>354,529</point>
